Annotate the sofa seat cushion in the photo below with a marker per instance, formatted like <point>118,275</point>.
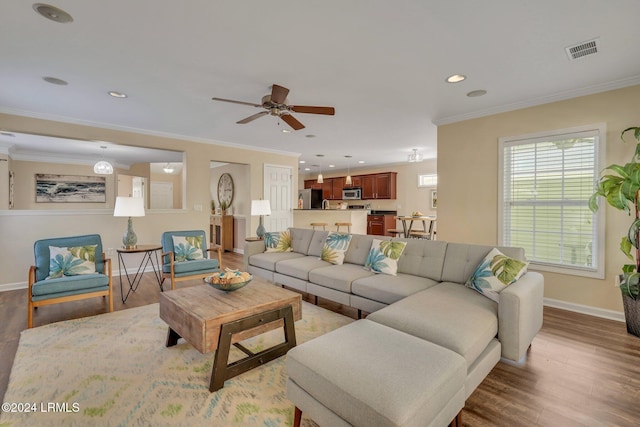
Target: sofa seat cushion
<point>69,285</point>
<point>389,289</point>
<point>338,277</point>
<point>300,267</point>
<point>268,260</point>
<point>448,314</point>
<point>371,375</point>
<point>191,267</point>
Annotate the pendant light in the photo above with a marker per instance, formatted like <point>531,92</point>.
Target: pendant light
<point>415,157</point>
<point>347,180</point>
<point>102,167</point>
<point>168,169</point>
<point>320,178</point>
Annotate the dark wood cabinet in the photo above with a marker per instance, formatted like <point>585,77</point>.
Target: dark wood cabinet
<point>374,186</point>
<point>375,225</point>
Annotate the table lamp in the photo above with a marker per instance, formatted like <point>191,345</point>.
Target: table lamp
<point>260,207</point>
<point>130,207</point>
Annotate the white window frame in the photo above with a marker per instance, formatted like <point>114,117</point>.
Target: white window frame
<point>599,217</point>
<point>433,177</point>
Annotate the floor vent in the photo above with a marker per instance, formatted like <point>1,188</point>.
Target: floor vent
<point>582,49</point>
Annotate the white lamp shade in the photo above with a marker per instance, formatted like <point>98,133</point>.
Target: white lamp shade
<point>260,207</point>
<point>129,206</point>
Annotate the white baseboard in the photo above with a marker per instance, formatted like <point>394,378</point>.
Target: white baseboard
<point>585,309</point>
<point>13,286</point>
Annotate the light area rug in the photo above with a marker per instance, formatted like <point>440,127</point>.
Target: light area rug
<point>114,370</point>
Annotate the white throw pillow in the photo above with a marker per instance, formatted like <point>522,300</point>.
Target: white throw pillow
<point>335,247</point>
<point>71,261</point>
<point>187,248</point>
<point>383,256</point>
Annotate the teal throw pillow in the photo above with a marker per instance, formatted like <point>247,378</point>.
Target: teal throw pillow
<point>188,248</point>
<point>383,256</point>
<point>335,247</point>
<point>71,261</point>
<point>495,273</point>
<point>278,241</point>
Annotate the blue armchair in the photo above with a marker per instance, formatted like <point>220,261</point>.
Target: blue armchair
<point>185,256</point>
<point>68,269</point>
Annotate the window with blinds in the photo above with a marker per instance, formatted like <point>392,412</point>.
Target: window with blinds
<point>546,182</point>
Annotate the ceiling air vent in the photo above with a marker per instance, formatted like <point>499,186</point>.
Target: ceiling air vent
<point>582,49</point>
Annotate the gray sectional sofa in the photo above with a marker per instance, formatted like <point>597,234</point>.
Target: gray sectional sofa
<point>427,298</point>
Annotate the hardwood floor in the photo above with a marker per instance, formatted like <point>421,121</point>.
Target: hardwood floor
<point>580,371</point>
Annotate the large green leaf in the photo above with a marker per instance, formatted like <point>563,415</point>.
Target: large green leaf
<point>629,284</point>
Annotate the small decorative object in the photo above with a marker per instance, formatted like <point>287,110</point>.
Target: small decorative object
<point>416,214</point>
<point>213,206</point>
<point>621,188</point>
<point>260,207</point>
<point>223,207</point>
<point>229,280</point>
<point>225,190</point>
<point>434,199</point>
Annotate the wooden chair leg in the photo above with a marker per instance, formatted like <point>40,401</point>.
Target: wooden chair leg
<point>457,421</point>
<point>297,417</point>
<point>30,316</point>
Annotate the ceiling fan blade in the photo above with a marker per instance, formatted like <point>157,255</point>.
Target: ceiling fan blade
<point>237,102</point>
<point>313,110</point>
<point>279,94</point>
<point>252,118</point>
<point>292,121</point>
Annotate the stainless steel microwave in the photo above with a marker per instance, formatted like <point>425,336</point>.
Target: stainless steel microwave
<point>354,193</point>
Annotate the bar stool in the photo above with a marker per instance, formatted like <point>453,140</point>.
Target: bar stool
<point>343,224</point>
<point>396,232</point>
<point>319,224</point>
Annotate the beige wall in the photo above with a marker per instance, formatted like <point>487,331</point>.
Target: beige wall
<point>468,180</point>
<point>22,228</point>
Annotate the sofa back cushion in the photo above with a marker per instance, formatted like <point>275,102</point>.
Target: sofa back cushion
<point>317,243</point>
<point>422,257</point>
<point>462,259</point>
<point>359,248</point>
<point>300,240</point>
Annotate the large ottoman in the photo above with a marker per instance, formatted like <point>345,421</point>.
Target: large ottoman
<point>368,374</point>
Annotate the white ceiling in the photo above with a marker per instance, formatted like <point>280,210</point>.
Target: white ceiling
<point>381,64</point>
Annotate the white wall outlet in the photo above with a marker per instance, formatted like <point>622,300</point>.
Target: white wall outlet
<point>197,208</point>
<point>111,252</point>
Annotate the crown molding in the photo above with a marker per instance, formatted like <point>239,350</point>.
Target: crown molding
<point>560,96</point>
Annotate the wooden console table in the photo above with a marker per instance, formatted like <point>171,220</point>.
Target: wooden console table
<point>221,231</point>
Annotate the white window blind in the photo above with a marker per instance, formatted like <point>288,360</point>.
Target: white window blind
<point>428,180</point>
<point>546,184</point>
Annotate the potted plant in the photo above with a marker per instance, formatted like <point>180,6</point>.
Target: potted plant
<point>620,189</point>
<point>213,207</point>
<point>223,207</point>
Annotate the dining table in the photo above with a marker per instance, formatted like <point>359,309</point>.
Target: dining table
<point>406,228</point>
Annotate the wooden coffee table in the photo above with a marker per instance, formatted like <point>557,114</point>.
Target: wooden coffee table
<point>210,319</point>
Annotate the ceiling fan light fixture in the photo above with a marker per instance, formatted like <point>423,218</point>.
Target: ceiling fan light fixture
<point>456,78</point>
<point>415,157</point>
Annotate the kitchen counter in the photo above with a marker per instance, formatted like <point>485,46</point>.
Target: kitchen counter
<point>302,218</point>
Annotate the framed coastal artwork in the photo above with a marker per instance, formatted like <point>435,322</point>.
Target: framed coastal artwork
<point>52,188</point>
<point>434,199</point>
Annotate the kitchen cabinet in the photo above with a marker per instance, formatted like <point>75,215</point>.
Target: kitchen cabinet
<point>378,224</point>
<point>374,186</point>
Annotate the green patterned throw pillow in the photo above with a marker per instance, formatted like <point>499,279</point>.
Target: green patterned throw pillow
<point>278,241</point>
<point>71,261</point>
<point>335,247</point>
<point>383,256</point>
<point>187,248</point>
<point>495,273</point>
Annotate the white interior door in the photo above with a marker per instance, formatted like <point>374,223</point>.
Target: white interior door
<point>277,189</point>
<point>161,195</point>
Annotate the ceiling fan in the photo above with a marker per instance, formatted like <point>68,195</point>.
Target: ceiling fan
<point>275,104</point>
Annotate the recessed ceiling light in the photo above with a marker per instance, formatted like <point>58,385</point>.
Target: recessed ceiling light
<point>310,136</point>
<point>319,155</point>
<point>302,162</point>
<point>117,94</point>
<point>307,169</point>
<point>360,161</point>
<point>52,13</point>
<point>456,78</point>
<point>55,81</point>
<point>332,166</point>
<point>475,93</point>
<point>286,131</point>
